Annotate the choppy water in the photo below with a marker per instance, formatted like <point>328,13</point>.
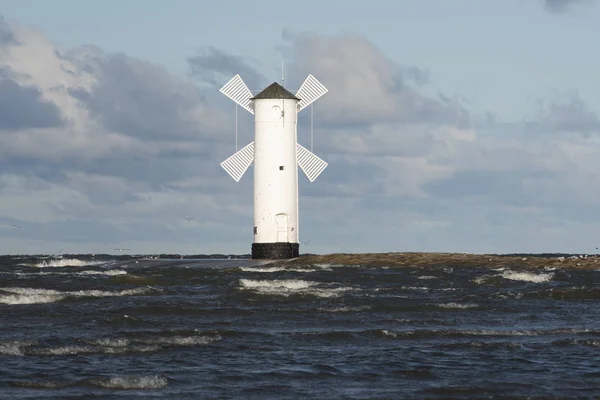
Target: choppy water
<point>190,329</point>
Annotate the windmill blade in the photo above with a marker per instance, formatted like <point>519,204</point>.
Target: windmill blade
<point>238,163</point>
<point>310,163</point>
<point>237,91</point>
<point>309,92</point>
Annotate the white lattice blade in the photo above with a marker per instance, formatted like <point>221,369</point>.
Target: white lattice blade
<point>310,163</point>
<point>238,163</point>
<point>309,92</point>
<point>237,91</point>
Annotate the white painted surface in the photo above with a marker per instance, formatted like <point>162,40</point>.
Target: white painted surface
<point>275,189</point>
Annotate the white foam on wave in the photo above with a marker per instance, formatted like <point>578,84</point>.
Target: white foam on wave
<point>345,309</point>
<point>110,272</point>
<point>132,382</point>
<point>66,262</point>
<point>30,296</point>
<point>516,276</point>
<point>110,342</point>
<point>13,348</point>
<point>153,343</point>
<point>527,276</point>
<point>289,287</point>
<point>487,332</point>
<point>20,295</point>
<point>457,305</point>
<point>184,340</point>
<point>274,269</point>
<point>425,288</point>
<point>114,345</point>
<point>328,266</point>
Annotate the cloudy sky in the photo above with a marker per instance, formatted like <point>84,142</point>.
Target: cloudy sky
<point>461,125</point>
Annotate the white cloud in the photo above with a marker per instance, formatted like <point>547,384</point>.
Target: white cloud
<point>364,85</point>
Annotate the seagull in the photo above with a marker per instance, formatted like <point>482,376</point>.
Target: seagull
<point>306,243</point>
<point>121,250</point>
<point>17,226</point>
<point>189,219</point>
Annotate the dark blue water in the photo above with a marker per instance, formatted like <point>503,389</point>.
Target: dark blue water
<point>192,329</point>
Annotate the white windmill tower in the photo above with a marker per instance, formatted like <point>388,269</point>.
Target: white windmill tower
<point>276,155</point>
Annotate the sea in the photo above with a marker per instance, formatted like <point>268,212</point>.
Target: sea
<point>82,327</point>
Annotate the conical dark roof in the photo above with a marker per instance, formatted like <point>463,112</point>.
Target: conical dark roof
<point>275,91</point>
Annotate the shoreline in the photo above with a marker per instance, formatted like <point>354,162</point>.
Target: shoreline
<point>456,260</point>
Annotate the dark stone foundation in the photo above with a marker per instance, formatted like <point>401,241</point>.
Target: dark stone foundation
<point>274,251</point>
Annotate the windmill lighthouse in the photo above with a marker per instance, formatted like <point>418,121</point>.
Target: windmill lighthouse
<point>276,155</point>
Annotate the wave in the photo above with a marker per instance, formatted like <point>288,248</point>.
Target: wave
<point>110,272</point>
<point>131,382</point>
<point>275,269</point>
<point>527,276</point>
<point>457,305</point>
<point>290,287</point>
<point>110,346</point>
<point>344,309</point>
<point>432,333</point>
<point>522,276</point>
<point>442,333</point>
<point>20,295</point>
<point>125,382</point>
<point>66,262</point>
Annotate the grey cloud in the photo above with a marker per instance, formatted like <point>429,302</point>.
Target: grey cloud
<point>344,176</point>
<point>142,99</point>
<point>22,166</point>
<point>574,116</point>
<point>414,74</point>
<point>87,58</point>
<point>560,6</point>
<point>216,67</point>
<point>144,125</point>
<point>503,186</point>
<point>7,36</point>
<point>365,86</point>
<point>571,116</point>
<point>22,107</point>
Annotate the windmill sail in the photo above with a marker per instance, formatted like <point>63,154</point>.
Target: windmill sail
<point>238,163</point>
<point>237,91</point>
<point>309,92</point>
<point>310,163</point>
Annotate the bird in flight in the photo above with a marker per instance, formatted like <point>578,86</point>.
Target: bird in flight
<point>17,226</point>
<point>121,250</point>
<point>306,242</point>
<point>189,218</point>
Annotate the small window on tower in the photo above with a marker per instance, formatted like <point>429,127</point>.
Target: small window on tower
<point>281,167</point>
<point>255,230</point>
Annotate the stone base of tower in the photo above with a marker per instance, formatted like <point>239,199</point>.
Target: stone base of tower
<point>275,251</point>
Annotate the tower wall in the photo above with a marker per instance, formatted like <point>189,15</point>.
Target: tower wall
<point>275,179</point>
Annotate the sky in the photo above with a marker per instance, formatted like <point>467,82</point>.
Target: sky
<point>463,126</point>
